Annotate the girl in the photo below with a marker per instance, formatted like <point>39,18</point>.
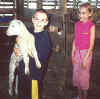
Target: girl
<point>82,50</point>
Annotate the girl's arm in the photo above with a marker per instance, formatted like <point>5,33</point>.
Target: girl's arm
<point>92,40</point>
<point>73,53</point>
<point>73,48</point>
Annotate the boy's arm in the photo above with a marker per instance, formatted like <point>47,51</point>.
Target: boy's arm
<point>16,49</point>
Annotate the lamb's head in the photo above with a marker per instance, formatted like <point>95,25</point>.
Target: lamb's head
<point>14,28</point>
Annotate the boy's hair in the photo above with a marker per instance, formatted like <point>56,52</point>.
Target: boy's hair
<point>87,5</point>
<point>41,11</point>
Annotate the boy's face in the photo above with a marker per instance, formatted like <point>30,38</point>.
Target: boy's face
<point>39,21</point>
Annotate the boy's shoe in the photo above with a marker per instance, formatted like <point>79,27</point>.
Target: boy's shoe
<point>77,97</point>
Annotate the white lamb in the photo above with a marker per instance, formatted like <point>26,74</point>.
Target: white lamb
<point>26,43</point>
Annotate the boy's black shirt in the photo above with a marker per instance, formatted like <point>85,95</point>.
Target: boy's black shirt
<point>43,46</point>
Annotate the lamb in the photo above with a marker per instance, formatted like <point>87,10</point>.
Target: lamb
<point>26,43</point>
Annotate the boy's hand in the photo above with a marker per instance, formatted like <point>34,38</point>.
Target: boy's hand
<point>17,51</point>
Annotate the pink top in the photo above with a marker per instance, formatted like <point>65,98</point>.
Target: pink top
<point>82,34</point>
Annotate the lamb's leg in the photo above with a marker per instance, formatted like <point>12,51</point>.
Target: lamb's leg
<point>19,58</point>
<point>12,67</point>
<point>26,61</point>
<point>25,56</point>
<point>35,56</point>
<point>16,87</point>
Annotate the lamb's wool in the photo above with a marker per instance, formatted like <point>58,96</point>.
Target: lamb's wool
<point>26,43</point>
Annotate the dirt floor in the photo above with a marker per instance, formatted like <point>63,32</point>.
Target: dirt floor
<point>58,79</point>
<point>57,83</point>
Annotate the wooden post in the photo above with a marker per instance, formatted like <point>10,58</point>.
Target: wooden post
<point>35,89</point>
<point>89,1</point>
<point>63,6</point>
<point>39,4</point>
<point>20,8</point>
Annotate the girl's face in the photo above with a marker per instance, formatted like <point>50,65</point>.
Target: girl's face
<point>84,14</point>
<point>39,21</point>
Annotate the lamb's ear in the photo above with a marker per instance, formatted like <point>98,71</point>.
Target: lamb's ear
<point>19,22</point>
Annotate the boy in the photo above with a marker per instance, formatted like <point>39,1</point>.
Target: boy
<point>43,46</point>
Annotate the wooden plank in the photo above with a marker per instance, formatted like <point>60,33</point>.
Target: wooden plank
<point>7,11</point>
<point>7,1</point>
<point>7,5</point>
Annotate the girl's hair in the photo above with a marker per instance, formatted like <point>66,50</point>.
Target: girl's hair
<point>41,11</point>
<point>88,6</point>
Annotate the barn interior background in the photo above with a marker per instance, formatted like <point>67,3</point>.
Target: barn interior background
<point>63,15</point>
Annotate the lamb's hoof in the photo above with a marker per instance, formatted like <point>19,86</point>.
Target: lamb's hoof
<point>16,92</point>
<point>27,73</point>
<point>10,92</point>
<point>39,66</point>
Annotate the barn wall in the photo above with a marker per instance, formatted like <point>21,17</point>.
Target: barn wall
<point>59,67</point>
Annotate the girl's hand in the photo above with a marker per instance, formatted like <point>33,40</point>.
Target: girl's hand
<point>73,58</point>
<point>83,65</point>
